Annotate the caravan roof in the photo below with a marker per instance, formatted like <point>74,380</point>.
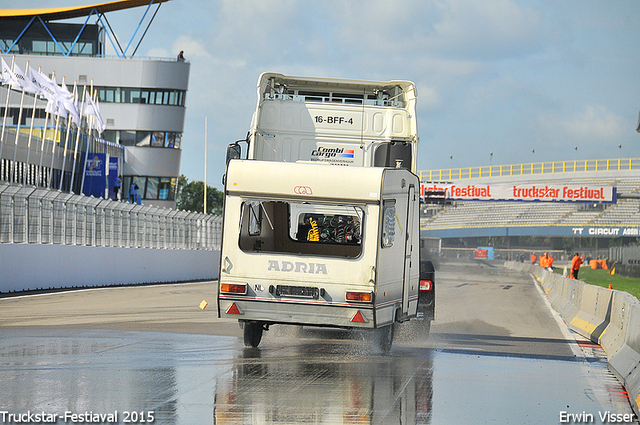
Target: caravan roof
<point>313,181</point>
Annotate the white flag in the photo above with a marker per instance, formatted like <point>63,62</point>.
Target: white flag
<point>7,75</point>
<point>56,108</point>
<point>92,108</point>
<point>4,73</point>
<point>67,99</point>
<point>22,82</point>
<point>48,87</point>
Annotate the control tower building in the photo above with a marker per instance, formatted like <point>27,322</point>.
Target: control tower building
<point>142,100</point>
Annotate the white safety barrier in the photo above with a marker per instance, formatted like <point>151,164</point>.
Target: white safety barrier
<point>27,267</point>
<point>608,317</point>
<point>42,216</point>
<point>53,239</point>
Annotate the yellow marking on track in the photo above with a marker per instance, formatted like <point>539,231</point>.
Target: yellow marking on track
<point>583,324</point>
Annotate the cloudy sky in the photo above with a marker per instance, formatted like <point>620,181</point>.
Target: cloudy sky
<point>526,80</point>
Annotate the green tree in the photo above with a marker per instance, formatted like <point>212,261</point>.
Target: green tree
<point>190,197</point>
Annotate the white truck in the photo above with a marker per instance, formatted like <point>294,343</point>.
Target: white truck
<point>321,221</point>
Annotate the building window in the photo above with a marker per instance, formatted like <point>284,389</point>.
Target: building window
<point>165,97</point>
<point>161,188</point>
<point>152,188</point>
<point>167,188</point>
<point>154,139</point>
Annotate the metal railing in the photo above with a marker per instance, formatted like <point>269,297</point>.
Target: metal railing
<point>531,169</point>
<point>43,216</point>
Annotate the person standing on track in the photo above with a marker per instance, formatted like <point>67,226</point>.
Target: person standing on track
<point>575,265</point>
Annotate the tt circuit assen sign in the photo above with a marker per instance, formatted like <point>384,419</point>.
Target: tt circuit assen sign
<point>522,192</point>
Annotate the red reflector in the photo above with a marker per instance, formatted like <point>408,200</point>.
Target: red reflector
<point>425,285</point>
<point>359,296</point>
<point>233,309</point>
<point>358,318</point>
<point>233,288</point>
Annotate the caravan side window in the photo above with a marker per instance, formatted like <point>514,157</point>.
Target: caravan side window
<point>389,223</point>
<point>255,219</point>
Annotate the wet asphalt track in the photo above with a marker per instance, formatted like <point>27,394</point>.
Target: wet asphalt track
<point>496,355</point>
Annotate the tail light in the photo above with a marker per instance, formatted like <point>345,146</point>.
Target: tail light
<point>426,285</point>
<point>361,297</point>
<point>233,288</point>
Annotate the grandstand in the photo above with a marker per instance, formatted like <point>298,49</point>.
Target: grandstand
<point>518,218</point>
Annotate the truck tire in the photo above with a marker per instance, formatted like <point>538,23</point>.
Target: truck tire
<point>252,334</point>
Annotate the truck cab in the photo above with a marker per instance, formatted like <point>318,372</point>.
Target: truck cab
<point>334,121</point>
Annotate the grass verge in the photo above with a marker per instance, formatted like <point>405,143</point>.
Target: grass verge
<point>602,278</point>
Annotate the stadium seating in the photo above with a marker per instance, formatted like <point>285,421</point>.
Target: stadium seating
<point>478,214</point>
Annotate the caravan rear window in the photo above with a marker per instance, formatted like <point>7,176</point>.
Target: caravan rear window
<point>301,228</point>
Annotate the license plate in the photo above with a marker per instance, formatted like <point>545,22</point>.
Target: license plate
<point>297,291</point>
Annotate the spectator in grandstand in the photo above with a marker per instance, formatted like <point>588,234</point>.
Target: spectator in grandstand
<point>534,257</point>
<point>575,265</point>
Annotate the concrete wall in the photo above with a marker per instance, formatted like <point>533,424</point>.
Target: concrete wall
<point>36,266</point>
<point>607,317</point>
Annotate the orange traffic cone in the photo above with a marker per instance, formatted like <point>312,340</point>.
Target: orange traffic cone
<point>610,286</point>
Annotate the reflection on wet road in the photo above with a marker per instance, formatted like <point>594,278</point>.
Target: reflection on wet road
<point>495,355</point>
<point>318,377</point>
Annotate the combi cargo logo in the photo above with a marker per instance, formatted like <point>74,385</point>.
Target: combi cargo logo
<point>333,155</point>
<point>322,152</point>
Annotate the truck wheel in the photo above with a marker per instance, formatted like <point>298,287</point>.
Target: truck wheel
<point>252,334</point>
<point>384,337</point>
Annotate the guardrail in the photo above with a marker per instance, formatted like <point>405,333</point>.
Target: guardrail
<point>608,317</point>
<point>42,216</point>
<point>531,169</point>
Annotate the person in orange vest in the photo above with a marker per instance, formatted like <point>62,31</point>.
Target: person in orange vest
<point>543,260</point>
<point>549,263</point>
<point>546,261</point>
<point>575,265</point>
<point>534,257</point>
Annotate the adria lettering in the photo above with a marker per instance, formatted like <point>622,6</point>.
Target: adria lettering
<point>297,267</point>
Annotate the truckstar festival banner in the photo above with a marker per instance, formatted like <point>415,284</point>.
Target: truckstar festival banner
<point>523,192</point>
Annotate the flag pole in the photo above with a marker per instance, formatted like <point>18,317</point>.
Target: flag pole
<point>75,151</point>
<point>66,139</point>
<point>89,137</point>
<point>53,150</point>
<point>25,171</point>
<point>15,144</point>
<point>44,136</point>
<point>6,110</point>
<point>44,133</point>
<point>205,165</point>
